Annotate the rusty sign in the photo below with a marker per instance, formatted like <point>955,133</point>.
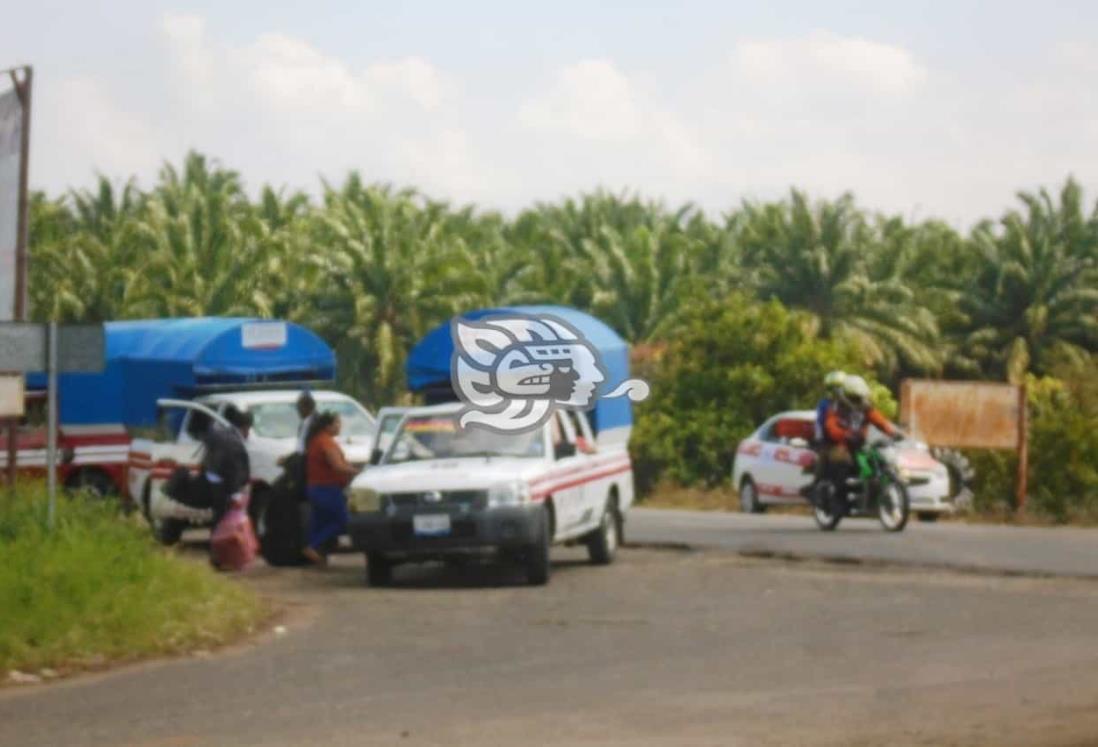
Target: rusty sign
<point>966,414</point>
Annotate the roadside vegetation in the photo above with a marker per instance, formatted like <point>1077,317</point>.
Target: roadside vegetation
<point>734,316</point>
<point>96,589</point>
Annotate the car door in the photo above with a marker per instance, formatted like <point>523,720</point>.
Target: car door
<point>790,456</point>
<point>388,420</point>
<point>763,469</point>
<point>185,450</point>
<point>597,489</point>
<point>566,484</point>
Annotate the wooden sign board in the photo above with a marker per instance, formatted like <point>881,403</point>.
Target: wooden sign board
<point>965,414</point>
<point>11,396</point>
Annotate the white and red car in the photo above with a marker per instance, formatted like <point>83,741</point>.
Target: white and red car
<point>774,464</point>
<point>439,490</point>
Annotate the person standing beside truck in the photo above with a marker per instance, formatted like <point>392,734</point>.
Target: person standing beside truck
<point>327,473</point>
<point>306,410</point>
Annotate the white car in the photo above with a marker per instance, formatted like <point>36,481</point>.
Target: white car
<point>439,490</point>
<point>273,436</point>
<point>773,466</point>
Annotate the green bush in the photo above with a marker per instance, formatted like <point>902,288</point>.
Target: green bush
<point>1063,447</point>
<point>730,365</point>
<point>1063,452</point>
<point>96,588</point>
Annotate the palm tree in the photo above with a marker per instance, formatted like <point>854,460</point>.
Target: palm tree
<point>619,258</point>
<point>820,259</point>
<point>391,267</point>
<point>83,264</point>
<point>202,245</point>
<point>1033,300</point>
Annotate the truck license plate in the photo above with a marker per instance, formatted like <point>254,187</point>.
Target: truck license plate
<point>431,525</point>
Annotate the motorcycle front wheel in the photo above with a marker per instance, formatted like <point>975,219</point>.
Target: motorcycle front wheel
<point>821,507</point>
<point>893,506</point>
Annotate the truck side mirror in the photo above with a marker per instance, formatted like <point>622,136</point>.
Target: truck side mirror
<point>375,456</point>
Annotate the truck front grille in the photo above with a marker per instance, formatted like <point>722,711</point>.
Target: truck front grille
<point>474,499</point>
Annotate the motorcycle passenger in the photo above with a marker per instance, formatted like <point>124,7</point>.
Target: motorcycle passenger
<point>845,427</point>
<point>832,383</point>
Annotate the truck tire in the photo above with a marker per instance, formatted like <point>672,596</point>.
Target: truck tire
<point>379,570</point>
<point>536,558</point>
<point>603,543</point>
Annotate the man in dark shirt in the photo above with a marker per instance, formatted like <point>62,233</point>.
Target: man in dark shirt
<point>225,464</point>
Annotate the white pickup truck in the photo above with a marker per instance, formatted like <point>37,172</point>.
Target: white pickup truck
<point>437,490</point>
<point>273,436</point>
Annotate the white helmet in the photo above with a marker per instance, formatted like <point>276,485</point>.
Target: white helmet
<point>833,382</point>
<point>855,392</point>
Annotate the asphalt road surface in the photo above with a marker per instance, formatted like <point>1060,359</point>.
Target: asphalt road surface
<point>1037,551</point>
<point>665,647</point>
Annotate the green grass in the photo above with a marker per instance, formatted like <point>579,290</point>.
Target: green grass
<point>97,589</point>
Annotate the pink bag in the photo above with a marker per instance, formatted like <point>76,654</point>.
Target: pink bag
<point>233,545</point>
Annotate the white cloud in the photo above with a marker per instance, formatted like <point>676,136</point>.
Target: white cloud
<point>594,114</point>
<point>591,100</point>
<point>824,59</point>
<point>80,128</point>
<point>822,111</point>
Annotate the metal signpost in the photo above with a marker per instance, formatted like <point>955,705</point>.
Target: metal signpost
<point>52,348</point>
<point>15,112</point>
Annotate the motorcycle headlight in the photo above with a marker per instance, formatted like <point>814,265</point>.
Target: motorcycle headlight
<point>363,500</point>
<point>508,494</point>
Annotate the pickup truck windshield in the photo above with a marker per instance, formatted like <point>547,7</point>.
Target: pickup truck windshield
<point>280,420</point>
<point>439,437</point>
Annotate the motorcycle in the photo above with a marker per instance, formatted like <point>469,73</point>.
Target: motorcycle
<point>876,489</point>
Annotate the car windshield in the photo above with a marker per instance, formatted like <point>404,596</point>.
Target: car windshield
<point>280,419</point>
<point>440,437</point>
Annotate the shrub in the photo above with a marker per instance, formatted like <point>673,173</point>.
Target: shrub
<point>1063,451</point>
<point>95,587</point>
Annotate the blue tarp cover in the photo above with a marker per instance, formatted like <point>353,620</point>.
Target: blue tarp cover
<point>428,365</point>
<point>148,360</point>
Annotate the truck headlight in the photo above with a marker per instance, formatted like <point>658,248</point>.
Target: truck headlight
<point>363,500</point>
<point>508,494</point>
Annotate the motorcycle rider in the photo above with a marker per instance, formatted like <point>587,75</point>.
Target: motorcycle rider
<point>845,427</point>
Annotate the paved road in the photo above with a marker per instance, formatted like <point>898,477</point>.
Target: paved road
<point>661,648</point>
<point>1026,550</point>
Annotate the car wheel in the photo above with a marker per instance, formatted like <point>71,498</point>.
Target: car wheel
<point>93,482</point>
<point>536,559</point>
<point>603,543</point>
<point>749,497</point>
<point>379,569</point>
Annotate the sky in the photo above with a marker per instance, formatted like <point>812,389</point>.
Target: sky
<point>923,109</point>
